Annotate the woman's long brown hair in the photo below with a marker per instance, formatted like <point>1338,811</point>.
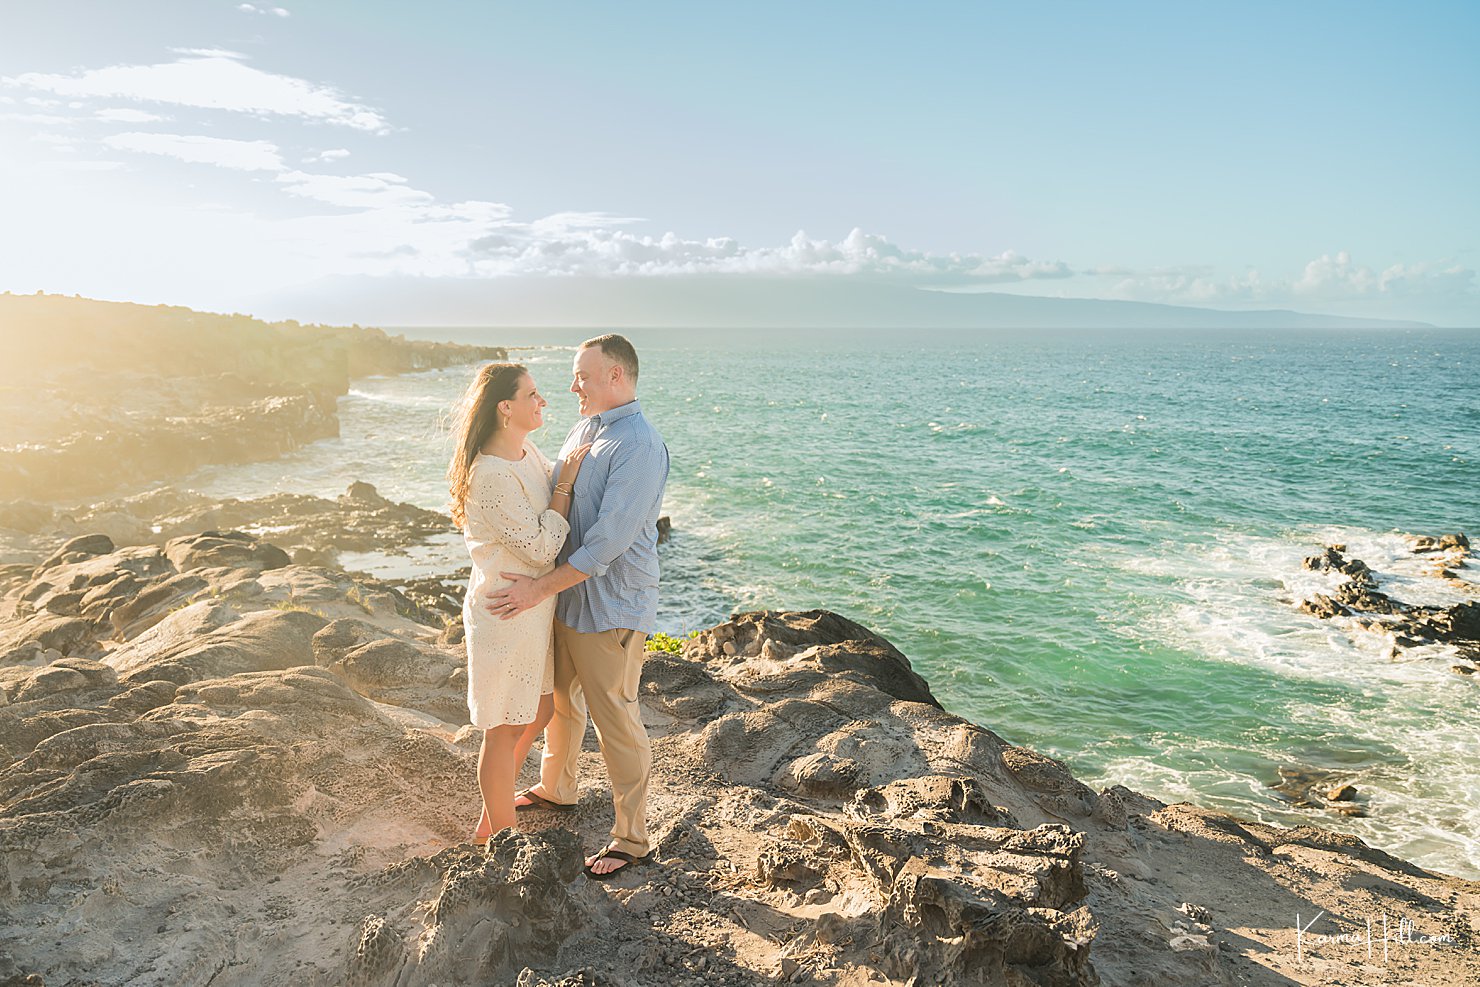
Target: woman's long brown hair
<point>474,421</point>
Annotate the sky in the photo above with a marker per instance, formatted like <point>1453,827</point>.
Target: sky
<point>1318,156</point>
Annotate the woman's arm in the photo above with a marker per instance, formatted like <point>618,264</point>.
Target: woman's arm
<point>498,502</point>
<point>570,467</point>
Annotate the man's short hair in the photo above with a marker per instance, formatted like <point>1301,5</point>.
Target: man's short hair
<point>617,349</point>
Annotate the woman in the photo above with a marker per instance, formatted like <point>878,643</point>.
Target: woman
<point>512,521</point>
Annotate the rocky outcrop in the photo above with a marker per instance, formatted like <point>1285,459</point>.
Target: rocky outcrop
<point>1358,598</point>
<point>97,396</point>
<point>220,766</point>
<point>311,530</point>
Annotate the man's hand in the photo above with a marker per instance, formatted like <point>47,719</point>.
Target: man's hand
<point>512,600</point>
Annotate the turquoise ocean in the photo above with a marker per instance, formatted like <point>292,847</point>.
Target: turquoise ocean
<point>1089,542</point>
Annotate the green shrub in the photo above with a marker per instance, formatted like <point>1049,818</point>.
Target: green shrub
<point>668,643</point>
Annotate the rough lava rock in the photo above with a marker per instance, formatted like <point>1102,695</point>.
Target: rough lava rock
<point>264,776</point>
<point>1410,625</point>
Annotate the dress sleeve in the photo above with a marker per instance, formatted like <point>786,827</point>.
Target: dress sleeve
<point>499,501</point>
<point>545,463</point>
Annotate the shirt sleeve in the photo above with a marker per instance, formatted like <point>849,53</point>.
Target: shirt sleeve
<point>499,501</point>
<point>634,485</point>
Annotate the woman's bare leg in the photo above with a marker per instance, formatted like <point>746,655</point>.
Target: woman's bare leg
<point>496,778</point>
<point>542,717</point>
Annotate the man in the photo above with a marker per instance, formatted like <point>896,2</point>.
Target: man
<point>608,604</point>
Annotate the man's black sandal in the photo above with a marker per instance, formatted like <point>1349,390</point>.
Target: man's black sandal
<point>620,855</point>
<point>540,802</point>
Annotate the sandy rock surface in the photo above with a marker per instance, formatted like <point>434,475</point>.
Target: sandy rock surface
<point>219,766</point>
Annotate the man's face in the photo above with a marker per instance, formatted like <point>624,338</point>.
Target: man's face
<point>594,384</point>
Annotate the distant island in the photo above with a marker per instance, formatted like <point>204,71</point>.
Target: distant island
<point>745,302</point>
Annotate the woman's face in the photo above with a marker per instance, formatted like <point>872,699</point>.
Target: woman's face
<point>526,408</point>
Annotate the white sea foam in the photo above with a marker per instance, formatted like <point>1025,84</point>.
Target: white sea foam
<point>404,400</point>
<point>1240,597</point>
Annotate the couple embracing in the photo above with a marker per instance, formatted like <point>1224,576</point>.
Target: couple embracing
<point>564,587</point>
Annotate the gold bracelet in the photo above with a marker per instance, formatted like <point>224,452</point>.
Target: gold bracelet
<point>563,488</point>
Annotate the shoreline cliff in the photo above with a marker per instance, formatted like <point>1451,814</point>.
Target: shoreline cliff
<point>97,397</point>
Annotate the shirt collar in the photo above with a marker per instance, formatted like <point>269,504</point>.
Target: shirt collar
<point>633,407</point>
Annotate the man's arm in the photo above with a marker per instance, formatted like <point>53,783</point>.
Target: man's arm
<point>526,591</point>
<point>634,484</point>
<point>635,481</point>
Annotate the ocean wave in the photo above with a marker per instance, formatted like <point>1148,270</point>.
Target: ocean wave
<point>404,400</point>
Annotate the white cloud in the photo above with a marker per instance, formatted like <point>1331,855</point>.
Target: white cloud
<point>210,79</point>
<point>209,52</point>
<point>218,151</point>
<point>248,8</point>
<point>575,243</point>
<point>45,119</point>
<point>375,191</point>
<point>91,165</point>
<point>124,115</point>
<point>563,223</point>
<point>1328,280</point>
<point>380,223</point>
<point>1341,277</point>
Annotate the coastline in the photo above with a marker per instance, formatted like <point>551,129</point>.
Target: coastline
<point>216,740</point>
<point>210,749</point>
<point>165,390</point>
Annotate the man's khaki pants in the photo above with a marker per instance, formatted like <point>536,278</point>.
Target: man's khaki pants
<point>601,672</point>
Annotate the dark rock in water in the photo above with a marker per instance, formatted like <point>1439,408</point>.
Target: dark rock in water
<point>1456,624</point>
<point>1323,606</point>
<point>1332,560</point>
<point>1311,788</point>
<point>362,493</point>
<point>1356,596</point>
<point>1411,626</point>
<point>665,528</point>
<point>1443,543</point>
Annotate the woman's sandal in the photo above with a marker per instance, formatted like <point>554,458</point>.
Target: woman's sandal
<point>540,802</point>
<point>612,851</point>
